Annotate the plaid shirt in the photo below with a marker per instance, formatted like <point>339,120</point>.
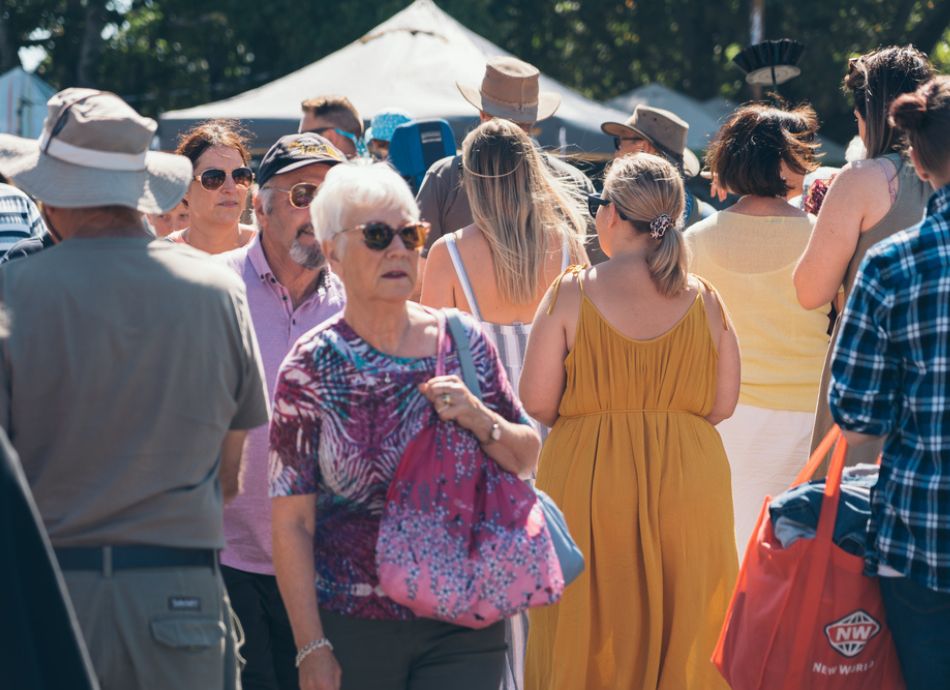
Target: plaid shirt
<point>891,377</point>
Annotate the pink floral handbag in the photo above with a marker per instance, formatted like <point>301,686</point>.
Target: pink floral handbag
<point>461,539</point>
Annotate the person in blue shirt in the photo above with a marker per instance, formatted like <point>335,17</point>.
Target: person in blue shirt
<point>891,379</point>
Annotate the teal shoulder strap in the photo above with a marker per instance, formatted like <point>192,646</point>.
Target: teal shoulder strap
<point>460,337</point>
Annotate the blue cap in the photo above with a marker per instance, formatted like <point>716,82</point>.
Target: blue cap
<point>385,122</point>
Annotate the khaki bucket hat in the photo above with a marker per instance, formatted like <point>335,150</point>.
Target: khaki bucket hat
<point>510,90</point>
<point>665,130</point>
<point>93,151</point>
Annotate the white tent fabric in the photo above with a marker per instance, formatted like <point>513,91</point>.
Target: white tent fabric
<point>23,99</point>
<point>412,62</point>
<point>704,118</point>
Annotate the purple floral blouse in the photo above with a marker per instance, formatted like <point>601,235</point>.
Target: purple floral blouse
<point>343,414</point>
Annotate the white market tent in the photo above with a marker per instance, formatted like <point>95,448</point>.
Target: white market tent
<point>704,118</point>
<point>23,99</point>
<point>411,61</point>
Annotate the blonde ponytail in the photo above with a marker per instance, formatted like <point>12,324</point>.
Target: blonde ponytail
<point>649,192</point>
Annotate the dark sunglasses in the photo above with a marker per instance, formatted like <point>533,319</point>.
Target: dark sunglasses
<point>378,235</point>
<point>213,178</point>
<point>300,195</point>
<point>595,201</point>
<point>618,141</point>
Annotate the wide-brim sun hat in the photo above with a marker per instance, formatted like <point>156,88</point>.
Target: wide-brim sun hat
<point>664,130</point>
<point>510,90</point>
<point>93,151</point>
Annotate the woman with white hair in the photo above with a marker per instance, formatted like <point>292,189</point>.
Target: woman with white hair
<point>350,397</point>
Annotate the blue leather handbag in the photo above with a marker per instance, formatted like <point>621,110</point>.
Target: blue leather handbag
<point>568,554</point>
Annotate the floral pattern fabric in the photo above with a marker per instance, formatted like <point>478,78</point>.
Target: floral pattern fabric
<point>343,415</point>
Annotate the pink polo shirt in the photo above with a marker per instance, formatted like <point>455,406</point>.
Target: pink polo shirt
<point>247,525</point>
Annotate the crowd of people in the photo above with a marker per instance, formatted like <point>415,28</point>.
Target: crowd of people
<point>211,370</point>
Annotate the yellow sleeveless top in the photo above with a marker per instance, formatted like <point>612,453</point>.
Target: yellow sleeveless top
<point>750,260</point>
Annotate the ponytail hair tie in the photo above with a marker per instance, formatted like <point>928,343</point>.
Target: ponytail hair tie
<point>659,226</point>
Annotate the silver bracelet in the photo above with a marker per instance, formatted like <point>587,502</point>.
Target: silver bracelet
<point>312,646</point>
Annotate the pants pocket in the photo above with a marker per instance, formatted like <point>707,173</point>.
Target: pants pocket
<point>187,633</point>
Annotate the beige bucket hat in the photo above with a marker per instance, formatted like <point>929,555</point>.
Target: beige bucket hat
<point>94,152</point>
<point>665,130</point>
<point>510,90</point>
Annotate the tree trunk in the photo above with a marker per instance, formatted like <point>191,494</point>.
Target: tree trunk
<point>932,27</point>
<point>92,44</point>
<point>8,50</point>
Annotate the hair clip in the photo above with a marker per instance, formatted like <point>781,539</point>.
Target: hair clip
<point>659,226</point>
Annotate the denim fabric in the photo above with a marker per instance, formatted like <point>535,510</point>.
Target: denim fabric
<point>919,619</point>
<point>795,513</point>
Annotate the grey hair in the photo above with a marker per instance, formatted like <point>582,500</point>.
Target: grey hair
<point>352,188</point>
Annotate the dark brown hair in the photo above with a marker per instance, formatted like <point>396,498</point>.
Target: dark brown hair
<point>924,116</point>
<point>748,151</point>
<point>336,109</point>
<point>205,135</point>
<point>875,80</point>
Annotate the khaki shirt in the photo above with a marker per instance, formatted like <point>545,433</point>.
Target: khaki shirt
<point>126,363</point>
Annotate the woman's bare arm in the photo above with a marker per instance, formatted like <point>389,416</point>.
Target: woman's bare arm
<point>438,280</point>
<point>834,239</point>
<point>543,377</point>
<point>729,369</point>
<point>293,522</point>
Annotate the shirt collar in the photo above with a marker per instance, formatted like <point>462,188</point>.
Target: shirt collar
<point>939,201</point>
<point>255,254</point>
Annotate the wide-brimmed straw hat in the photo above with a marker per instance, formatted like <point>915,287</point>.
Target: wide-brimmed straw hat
<point>510,90</point>
<point>93,151</point>
<point>663,129</point>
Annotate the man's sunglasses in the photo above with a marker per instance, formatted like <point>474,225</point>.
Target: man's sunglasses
<point>214,178</point>
<point>300,195</point>
<point>355,140</point>
<point>595,201</point>
<point>378,235</point>
<point>618,141</point>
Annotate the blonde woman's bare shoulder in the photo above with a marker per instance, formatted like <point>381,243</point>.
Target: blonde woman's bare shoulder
<point>716,310</point>
<point>564,294</point>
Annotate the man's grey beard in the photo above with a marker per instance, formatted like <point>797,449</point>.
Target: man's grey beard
<point>307,256</point>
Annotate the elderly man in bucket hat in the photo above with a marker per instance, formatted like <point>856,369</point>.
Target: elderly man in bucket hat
<point>510,90</point>
<point>129,377</point>
<point>662,133</point>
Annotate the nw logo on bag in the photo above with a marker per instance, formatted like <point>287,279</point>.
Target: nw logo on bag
<point>849,635</point>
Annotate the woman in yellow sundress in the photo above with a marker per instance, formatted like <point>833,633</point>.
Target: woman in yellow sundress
<point>633,363</point>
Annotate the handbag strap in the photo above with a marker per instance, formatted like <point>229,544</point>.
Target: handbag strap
<point>818,565</point>
<point>439,342</point>
<point>818,456</point>
<point>464,351</point>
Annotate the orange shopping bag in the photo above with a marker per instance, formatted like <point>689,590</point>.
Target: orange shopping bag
<point>806,616</point>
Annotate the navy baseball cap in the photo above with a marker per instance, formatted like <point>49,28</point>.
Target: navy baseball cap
<point>296,151</point>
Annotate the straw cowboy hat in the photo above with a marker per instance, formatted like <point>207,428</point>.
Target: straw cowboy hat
<point>93,151</point>
<point>664,130</point>
<point>510,91</point>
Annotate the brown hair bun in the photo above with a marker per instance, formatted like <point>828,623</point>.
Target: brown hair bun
<point>909,111</point>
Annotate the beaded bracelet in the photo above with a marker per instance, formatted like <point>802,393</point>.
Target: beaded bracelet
<point>312,646</point>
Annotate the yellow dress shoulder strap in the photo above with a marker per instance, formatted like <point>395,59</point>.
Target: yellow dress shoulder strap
<point>576,270</point>
<point>707,287</point>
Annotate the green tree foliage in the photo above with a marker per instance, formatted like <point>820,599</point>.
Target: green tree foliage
<point>163,54</point>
